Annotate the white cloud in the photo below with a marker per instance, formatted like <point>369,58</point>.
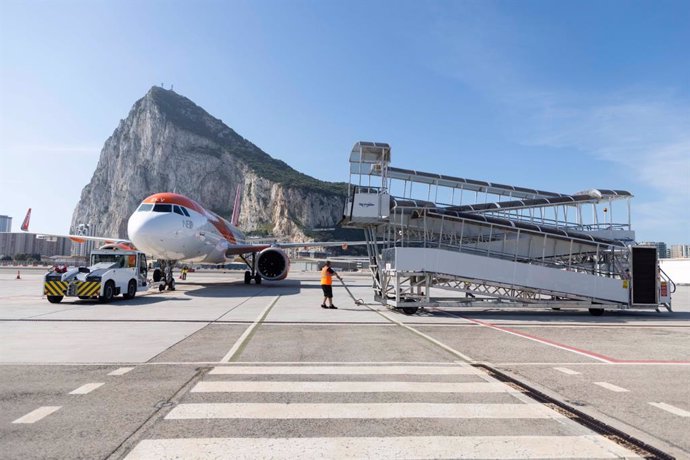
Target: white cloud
<point>650,138</point>
<point>644,130</point>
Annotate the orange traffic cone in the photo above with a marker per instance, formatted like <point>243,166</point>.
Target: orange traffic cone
<point>18,275</point>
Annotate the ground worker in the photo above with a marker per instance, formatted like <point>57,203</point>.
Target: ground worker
<point>327,285</point>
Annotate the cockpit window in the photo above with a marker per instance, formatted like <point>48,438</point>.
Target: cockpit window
<point>184,210</point>
<point>162,208</point>
<point>177,210</point>
<point>145,207</point>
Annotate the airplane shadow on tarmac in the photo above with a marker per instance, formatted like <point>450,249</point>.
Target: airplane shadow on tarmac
<point>120,302</point>
<point>239,289</point>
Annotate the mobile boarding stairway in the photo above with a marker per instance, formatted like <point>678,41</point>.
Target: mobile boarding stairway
<point>432,234</point>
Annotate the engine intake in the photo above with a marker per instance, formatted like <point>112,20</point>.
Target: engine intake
<point>273,264</point>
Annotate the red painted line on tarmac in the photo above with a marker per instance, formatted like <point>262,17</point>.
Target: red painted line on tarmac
<point>580,351</point>
<point>590,354</point>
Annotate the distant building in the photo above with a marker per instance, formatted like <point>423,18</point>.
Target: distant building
<point>5,224</point>
<point>680,251</point>
<point>12,244</point>
<point>661,250</point>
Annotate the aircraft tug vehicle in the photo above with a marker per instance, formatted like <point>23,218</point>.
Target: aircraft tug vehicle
<point>112,271</point>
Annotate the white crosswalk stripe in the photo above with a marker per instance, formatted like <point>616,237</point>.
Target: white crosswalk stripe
<point>309,411</point>
<point>420,447</point>
<point>350,387</point>
<point>344,370</point>
<point>354,410</point>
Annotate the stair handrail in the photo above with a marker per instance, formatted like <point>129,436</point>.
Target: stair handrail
<point>667,278</point>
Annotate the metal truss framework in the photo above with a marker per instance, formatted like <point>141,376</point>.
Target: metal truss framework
<point>520,226</point>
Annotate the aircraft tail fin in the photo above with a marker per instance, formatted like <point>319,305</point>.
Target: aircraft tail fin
<point>25,224</point>
<point>236,206</point>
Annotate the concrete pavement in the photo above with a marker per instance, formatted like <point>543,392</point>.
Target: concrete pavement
<point>306,365</point>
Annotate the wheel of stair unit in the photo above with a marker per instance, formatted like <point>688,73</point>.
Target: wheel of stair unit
<point>409,310</point>
<point>55,298</point>
<point>596,311</point>
<point>247,277</point>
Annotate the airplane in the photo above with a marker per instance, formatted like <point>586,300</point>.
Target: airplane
<point>173,228</point>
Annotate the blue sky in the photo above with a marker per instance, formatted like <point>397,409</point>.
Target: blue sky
<point>561,96</point>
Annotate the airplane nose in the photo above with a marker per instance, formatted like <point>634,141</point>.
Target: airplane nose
<point>148,231</point>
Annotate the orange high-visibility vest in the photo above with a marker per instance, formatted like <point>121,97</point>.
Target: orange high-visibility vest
<point>326,278</point>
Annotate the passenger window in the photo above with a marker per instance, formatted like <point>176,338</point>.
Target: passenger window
<point>177,210</point>
<point>162,208</point>
<point>184,210</point>
<point>145,207</point>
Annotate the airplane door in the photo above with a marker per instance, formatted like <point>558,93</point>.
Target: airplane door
<point>143,269</point>
<point>644,275</point>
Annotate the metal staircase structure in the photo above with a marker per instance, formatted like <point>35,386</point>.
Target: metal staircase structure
<point>430,233</point>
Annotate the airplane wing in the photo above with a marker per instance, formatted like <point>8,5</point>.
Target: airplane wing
<point>75,238</point>
<point>84,238</point>
<point>259,244</point>
<point>238,249</point>
<point>325,244</point>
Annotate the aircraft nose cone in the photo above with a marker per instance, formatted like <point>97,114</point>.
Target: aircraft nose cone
<point>148,231</point>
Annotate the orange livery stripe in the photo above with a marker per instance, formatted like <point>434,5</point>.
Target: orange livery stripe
<point>218,222</point>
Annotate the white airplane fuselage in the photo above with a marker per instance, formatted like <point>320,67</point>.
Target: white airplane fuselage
<point>173,227</point>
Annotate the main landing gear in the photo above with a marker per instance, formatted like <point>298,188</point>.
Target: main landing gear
<point>251,274</point>
<point>164,275</point>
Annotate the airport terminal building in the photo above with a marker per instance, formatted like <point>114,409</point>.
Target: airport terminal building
<point>12,244</point>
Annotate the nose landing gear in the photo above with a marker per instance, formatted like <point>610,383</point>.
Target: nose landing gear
<point>165,277</point>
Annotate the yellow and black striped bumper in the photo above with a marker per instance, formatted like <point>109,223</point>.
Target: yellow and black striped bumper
<point>57,288</point>
<point>76,288</point>
<point>88,289</point>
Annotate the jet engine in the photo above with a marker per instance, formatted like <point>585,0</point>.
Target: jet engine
<point>272,264</point>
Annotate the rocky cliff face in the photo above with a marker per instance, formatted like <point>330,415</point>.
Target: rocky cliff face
<point>169,144</point>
